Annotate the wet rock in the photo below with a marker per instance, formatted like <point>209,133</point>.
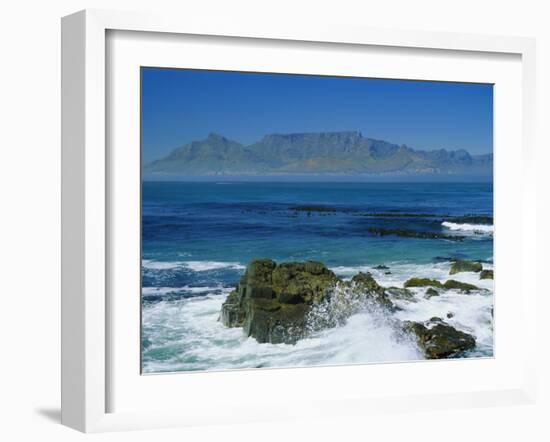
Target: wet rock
<point>272,321</point>
<point>430,293</point>
<point>422,282</point>
<point>232,314</point>
<point>399,293</point>
<point>450,315</point>
<point>381,267</point>
<point>271,301</point>
<point>438,339</point>
<point>465,266</point>
<point>365,284</point>
<point>457,285</point>
<point>283,303</point>
<point>486,274</point>
<point>295,283</point>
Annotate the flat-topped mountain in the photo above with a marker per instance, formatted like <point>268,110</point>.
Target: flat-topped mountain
<point>338,153</point>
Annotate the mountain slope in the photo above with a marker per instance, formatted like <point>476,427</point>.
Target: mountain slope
<point>344,153</point>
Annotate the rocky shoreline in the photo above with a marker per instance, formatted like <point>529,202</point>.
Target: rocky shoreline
<point>286,302</point>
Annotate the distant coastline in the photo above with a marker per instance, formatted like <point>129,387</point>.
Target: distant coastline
<point>309,156</point>
<point>322,178</point>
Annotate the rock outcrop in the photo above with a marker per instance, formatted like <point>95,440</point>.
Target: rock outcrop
<point>283,303</point>
<point>449,284</point>
<point>401,294</point>
<point>276,303</point>
<point>439,340</point>
<point>486,274</point>
<point>465,266</point>
<point>422,282</point>
<point>430,293</point>
<point>458,285</point>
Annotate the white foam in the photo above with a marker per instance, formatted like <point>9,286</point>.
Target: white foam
<point>478,229</point>
<point>189,332</point>
<point>201,266</point>
<point>350,270</point>
<point>152,291</point>
<point>197,266</point>
<point>160,265</point>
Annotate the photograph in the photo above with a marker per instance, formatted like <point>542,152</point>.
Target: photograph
<point>304,220</point>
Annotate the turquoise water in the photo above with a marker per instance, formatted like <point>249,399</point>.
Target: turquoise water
<point>198,237</point>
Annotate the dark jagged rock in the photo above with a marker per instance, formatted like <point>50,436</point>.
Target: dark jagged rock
<point>381,267</point>
<point>399,293</point>
<point>276,303</point>
<point>457,285</point>
<point>380,231</point>
<point>450,284</point>
<point>271,301</point>
<point>465,266</point>
<point>295,283</point>
<point>365,283</point>
<point>430,293</point>
<point>232,314</point>
<point>268,320</point>
<point>486,274</point>
<point>438,339</point>
<point>422,282</point>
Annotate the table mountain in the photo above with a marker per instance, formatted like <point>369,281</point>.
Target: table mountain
<point>341,153</point>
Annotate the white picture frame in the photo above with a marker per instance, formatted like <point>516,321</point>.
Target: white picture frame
<point>87,205</point>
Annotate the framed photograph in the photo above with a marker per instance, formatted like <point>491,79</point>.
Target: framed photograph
<point>262,222</point>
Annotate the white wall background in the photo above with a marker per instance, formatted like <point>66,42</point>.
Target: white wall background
<point>30,215</point>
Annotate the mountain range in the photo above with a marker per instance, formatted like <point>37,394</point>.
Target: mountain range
<point>338,153</point>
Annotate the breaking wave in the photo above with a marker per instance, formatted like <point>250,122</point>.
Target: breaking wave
<point>196,266</point>
<point>478,229</point>
<point>184,333</point>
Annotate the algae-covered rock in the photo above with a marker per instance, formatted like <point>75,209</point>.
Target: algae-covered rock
<point>465,266</point>
<point>430,293</point>
<point>458,285</point>
<point>422,282</point>
<point>257,281</point>
<point>283,303</point>
<point>272,321</point>
<point>438,339</point>
<point>486,274</point>
<point>295,283</point>
<point>365,283</point>
<point>272,301</point>
<point>399,293</point>
<point>232,313</point>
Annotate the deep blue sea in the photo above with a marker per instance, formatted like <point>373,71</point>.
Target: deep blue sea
<point>198,237</point>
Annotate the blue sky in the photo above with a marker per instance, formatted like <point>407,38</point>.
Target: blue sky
<point>179,106</point>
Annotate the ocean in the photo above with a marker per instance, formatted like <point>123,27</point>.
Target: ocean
<point>197,238</point>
